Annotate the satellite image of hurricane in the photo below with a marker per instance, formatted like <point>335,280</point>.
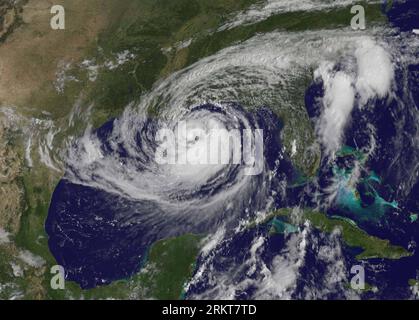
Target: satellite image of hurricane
<point>209,150</point>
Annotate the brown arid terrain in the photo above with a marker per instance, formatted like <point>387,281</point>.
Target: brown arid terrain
<point>31,55</point>
<point>64,199</point>
<point>10,191</point>
<point>9,17</point>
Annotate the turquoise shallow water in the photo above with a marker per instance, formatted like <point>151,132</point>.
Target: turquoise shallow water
<point>281,227</point>
<point>349,198</point>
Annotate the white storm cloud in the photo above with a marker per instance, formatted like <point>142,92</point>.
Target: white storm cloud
<point>372,77</point>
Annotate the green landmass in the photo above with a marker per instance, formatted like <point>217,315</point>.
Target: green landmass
<point>143,28</point>
<point>413,282</point>
<point>352,235</point>
<point>170,264</point>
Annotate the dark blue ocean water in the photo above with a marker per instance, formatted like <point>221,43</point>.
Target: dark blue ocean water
<point>100,237</point>
<point>403,14</point>
<point>395,162</point>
